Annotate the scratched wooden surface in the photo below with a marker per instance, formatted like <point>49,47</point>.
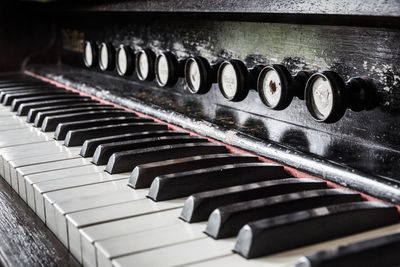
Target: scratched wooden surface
<point>24,239</point>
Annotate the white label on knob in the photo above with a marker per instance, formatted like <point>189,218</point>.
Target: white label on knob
<point>229,80</point>
<point>322,96</point>
<point>272,88</point>
<point>143,67</point>
<point>122,62</point>
<point>162,70</point>
<point>103,57</point>
<point>88,55</point>
<point>194,76</point>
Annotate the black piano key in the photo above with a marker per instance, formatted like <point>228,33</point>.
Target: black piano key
<point>127,160</point>
<point>78,137</point>
<point>43,114</point>
<point>90,146</point>
<point>143,175</point>
<point>289,231</point>
<point>24,109</point>
<point>198,207</point>
<point>4,92</point>
<point>34,111</point>
<point>226,221</point>
<point>104,152</point>
<point>17,102</point>
<point>50,123</point>
<point>184,184</point>
<point>376,252</point>
<point>9,97</point>
<point>63,128</point>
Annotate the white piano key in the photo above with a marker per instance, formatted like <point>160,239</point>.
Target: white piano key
<point>62,209</point>
<point>112,248</point>
<point>13,164</point>
<point>44,167</point>
<point>92,234</point>
<point>78,220</point>
<point>22,151</point>
<point>77,193</point>
<point>180,254</point>
<point>67,162</point>
<point>71,182</point>
<point>32,179</point>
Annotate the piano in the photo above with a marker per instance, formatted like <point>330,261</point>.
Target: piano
<point>200,133</point>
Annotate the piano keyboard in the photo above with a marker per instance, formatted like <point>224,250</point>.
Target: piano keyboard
<point>118,190</point>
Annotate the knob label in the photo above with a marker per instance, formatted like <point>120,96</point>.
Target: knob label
<point>322,96</point>
<point>229,81</point>
<point>143,65</point>
<point>162,70</point>
<point>122,61</point>
<point>194,76</point>
<point>272,88</point>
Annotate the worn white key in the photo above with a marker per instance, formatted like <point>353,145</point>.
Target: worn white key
<point>71,182</point>
<point>32,179</point>
<point>10,169</point>
<point>78,220</point>
<point>77,193</point>
<point>30,151</point>
<point>110,249</point>
<point>46,167</point>
<point>124,195</point>
<point>66,162</point>
<point>180,254</point>
<point>79,198</point>
<point>92,234</point>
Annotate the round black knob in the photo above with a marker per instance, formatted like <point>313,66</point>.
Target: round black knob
<point>106,56</point>
<point>199,75</point>
<point>277,87</point>
<point>89,54</point>
<point>167,69</point>
<point>326,97</point>
<point>235,80</point>
<point>145,64</point>
<point>124,60</point>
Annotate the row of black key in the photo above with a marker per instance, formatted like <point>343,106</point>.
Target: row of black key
<point>270,211</point>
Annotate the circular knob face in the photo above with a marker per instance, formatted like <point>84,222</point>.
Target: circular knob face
<point>322,96</point>
<point>166,69</point>
<point>233,80</point>
<point>124,60</point>
<point>325,96</point>
<point>198,75</point>
<point>106,57</point>
<point>229,81</point>
<point>144,65</point>
<point>89,54</point>
<point>274,87</point>
<point>162,67</point>
<point>271,88</point>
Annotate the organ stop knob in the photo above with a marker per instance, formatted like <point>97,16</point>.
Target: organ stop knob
<point>125,58</point>
<point>276,86</point>
<point>106,59</point>
<point>235,80</point>
<point>145,64</point>
<point>199,75</point>
<point>167,69</point>
<point>89,54</point>
<point>328,96</point>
